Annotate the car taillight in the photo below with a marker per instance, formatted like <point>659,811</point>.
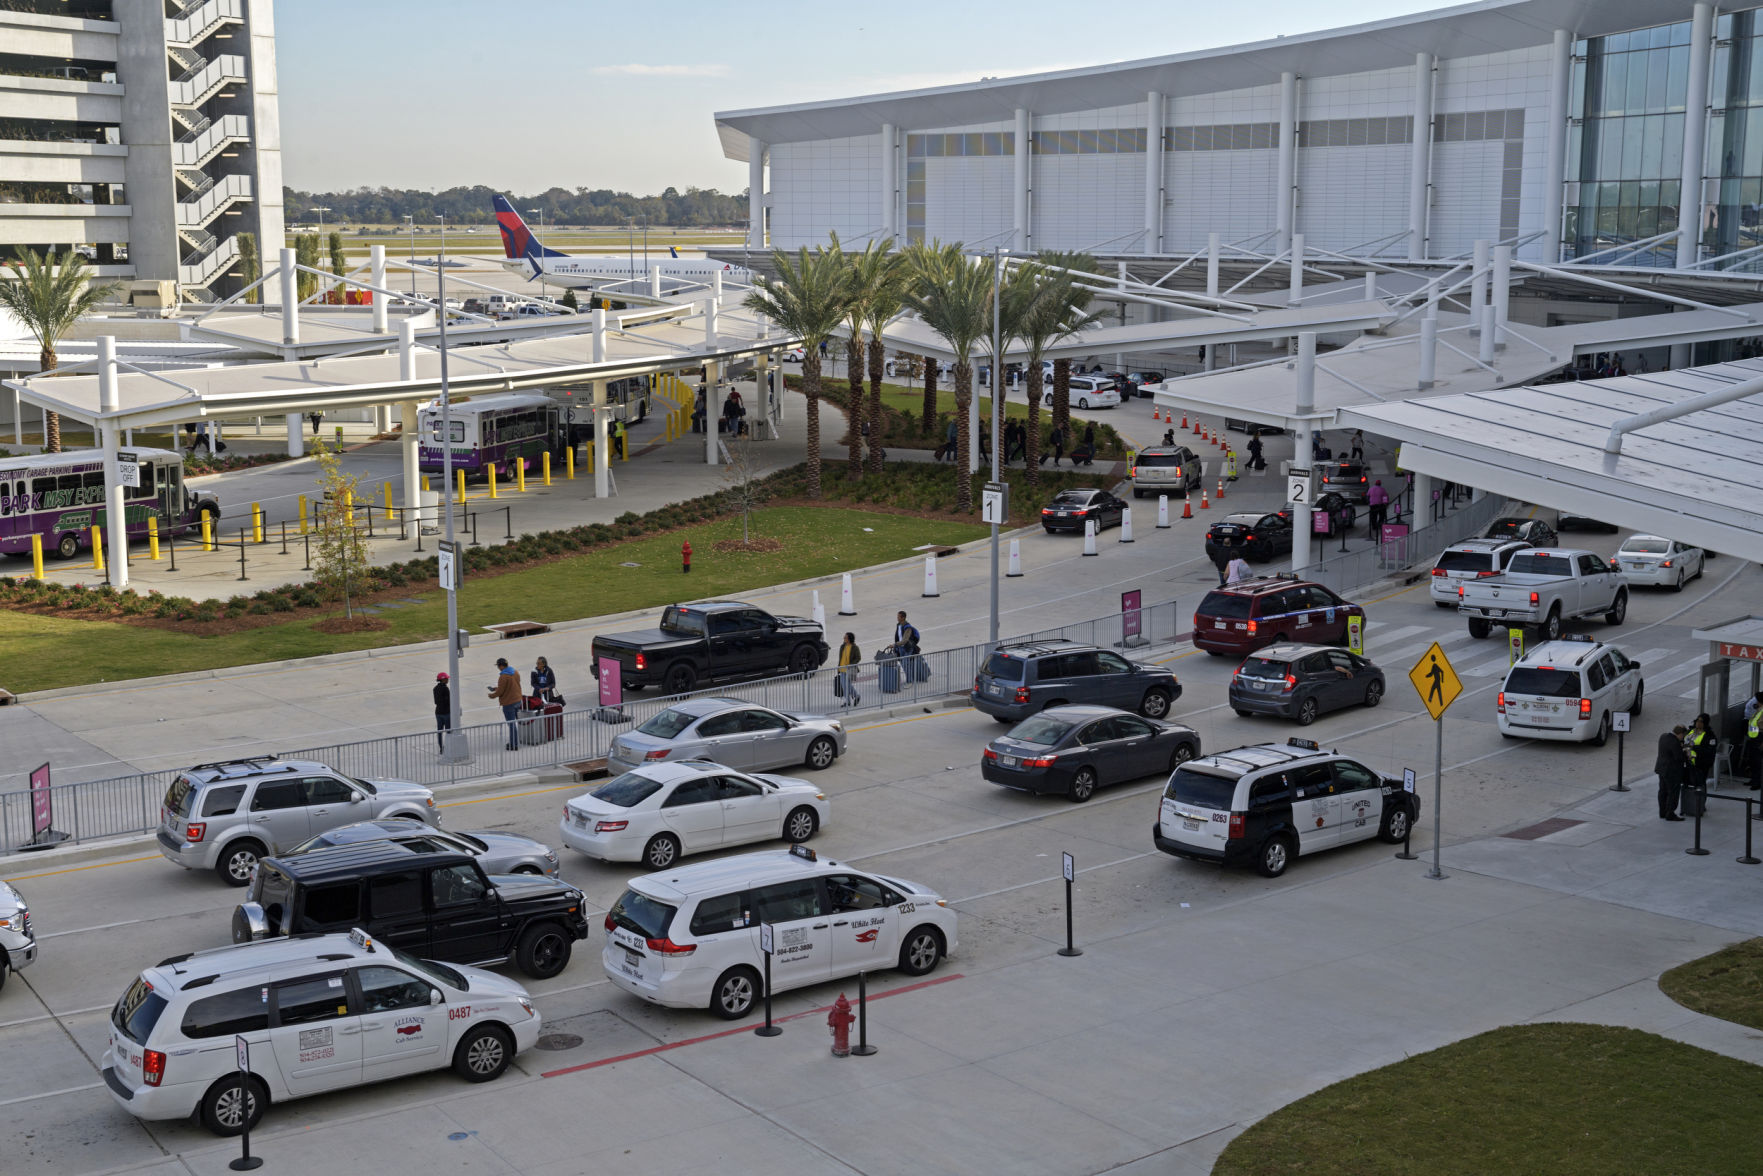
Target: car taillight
<point>1291,682</point>
<point>660,754</point>
<point>1438,571</point>
<point>1045,761</point>
<point>669,947</point>
<point>195,831</point>
<point>1236,826</point>
<point>1252,627</point>
<point>1022,694</point>
<point>1046,510</point>
<point>1459,591</point>
<point>990,754</point>
<point>1533,598</point>
<point>610,826</point>
<point>642,662</point>
<point>1132,471</point>
<point>609,923</point>
<point>1500,702</point>
<point>152,1067</point>
<point>1361,479</point>
<point>1481,575</point>
<point>1585,708</point>
<point>1665,564</point>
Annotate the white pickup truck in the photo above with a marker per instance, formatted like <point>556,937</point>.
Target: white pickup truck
<point>1543,588</point>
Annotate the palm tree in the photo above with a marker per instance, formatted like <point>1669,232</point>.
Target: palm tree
<point>954,298</point>
<point>1043,306</point>
<point>1078,301</point>
<point>887,298</point>
<point>863,271</point>
<point>48,299</point>
<point>807,300</point>
<point>920,260</point>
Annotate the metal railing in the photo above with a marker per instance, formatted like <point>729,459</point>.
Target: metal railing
<point>1361,565</point>
<point>121,806</point>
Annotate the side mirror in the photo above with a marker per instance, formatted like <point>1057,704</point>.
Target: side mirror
<point>435,996</point>
<point>356,797</point>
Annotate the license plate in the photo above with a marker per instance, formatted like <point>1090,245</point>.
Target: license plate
<point>1191,826</point>
<point>1009,761</point>
<point>1218,624</point>
<point>994,688</point>
<point>581,822</point>
<point>632,958</point>
<point>1496,612</point>
<point>1257,685</point>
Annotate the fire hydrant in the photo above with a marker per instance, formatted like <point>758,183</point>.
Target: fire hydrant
<point>839,1022</point>
<point>685,558</point>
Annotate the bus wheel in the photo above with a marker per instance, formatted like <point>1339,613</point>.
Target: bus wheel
<point>69,546</point>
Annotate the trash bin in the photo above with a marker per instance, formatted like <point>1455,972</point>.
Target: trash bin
<point>428,511</point>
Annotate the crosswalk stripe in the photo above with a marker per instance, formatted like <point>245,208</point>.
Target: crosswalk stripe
<point>1648,657</point>
<point>1676,674</point>
<point>1483,669</point>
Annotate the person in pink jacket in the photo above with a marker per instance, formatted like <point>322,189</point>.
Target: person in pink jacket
<point>1379,500</point>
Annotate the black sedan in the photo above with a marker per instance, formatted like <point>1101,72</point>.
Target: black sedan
<point>1302,681</point>
<point>1532,531</point>
<point>1071,509</point>
<point>1337,512</point>
<point>1252,536</point>
<point>1069,750</point>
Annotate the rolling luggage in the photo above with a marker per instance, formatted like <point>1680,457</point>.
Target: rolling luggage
<point>1692,801</point>
<point>888,672</point>
<point>920,668</point>
<point>540,721</point>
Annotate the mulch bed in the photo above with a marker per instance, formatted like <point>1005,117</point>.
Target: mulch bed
<point>757,543</point>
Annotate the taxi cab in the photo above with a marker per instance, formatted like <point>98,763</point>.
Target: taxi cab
<point>318,1013</point>
<point>690,938</point>
<point>1266,804</point>
<point>1243,617</point>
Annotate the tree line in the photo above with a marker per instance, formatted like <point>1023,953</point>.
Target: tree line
<point>564,206</point>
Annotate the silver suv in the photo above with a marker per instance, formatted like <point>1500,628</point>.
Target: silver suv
<point>1160,469</point>
<point>225,816</point>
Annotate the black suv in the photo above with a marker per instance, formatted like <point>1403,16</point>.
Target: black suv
<point>1020,680</point>
<point>438,906</point>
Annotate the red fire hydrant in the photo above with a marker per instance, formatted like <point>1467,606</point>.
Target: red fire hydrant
<point>839,1022</point>
<point>685,558</point>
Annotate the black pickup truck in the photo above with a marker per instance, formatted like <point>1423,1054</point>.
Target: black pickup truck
<point>701,643</point>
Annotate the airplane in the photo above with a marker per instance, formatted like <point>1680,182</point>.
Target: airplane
<point>522,254</point>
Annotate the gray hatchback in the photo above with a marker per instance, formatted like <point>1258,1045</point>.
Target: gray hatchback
<point>1019,680</point>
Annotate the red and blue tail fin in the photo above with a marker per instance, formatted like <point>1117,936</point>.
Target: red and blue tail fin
<point>517,240</point>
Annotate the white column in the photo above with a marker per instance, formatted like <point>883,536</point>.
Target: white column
<point>116,534</point>
<point>1420,157</point>
<point>1287,176</point>
<point>598,348</point>
<point>654,281</point>
<point>1555,163</point>
<point>1502,291</point>
<point>1306,403</point>
<point>890,180</point>
<point>1429,348</point>
<point>1478,286</point>
<point>296,439</point>
<point>712,403</point>
<point>1295,284</point>
<point>408,437</point>
<point>755,193</point>
<point>1153,172</point>
<point>1695,130</point>
<point>1024,177</point>
<point>602,448</point>
<point>1421,508</point>
<point>1211,265</point>
<point>710,323</point>
<point>376,257</point>
<point>290,299</point>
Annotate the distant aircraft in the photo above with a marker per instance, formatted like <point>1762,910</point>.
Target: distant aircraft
<point>522,254</point>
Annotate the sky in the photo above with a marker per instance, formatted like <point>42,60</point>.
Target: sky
<point>522,95</point>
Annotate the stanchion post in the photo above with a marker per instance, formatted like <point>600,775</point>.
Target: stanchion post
<point>1620,722</point>
<point>1696,850</point>
<point>308,540</point>
<point>284,536</point>
<point>1749,859</point>
<point>246,1161</point>
<point>471,525</point>
<point>508,517</point>
<point>242,575</point>
<point>862,1049</point>
<point>765,946</point>
<point>1407,854</point>
<point>1070,869</point>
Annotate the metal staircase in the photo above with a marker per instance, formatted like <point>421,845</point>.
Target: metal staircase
<point>199,19</point>
<point>200,139</point>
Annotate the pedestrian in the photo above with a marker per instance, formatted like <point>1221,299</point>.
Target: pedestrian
<point>1056,444</point>
<point>1237,570</point>
<point>1169,436</point>
<point>505,693</point>
<point>1090,438</point>
<point>1754,747</point>
<point>1221,561</point>
<point>845,685</point>
<point>1669,763</point>
<point>617,428</point>
<point>905,635</point>
<point>443,712</point>
<point>544,681</point>
<point>1698,748</point>
<point>1358,444</point>
<point>948,445</point>
<point>317,419</point>
<point>1256,461</point>
<point>698,411</point>
<point>1378,499</point>
<point>985,443</point>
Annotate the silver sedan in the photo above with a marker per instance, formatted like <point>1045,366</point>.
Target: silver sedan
<point>497,853</point>
<point>738,734</point>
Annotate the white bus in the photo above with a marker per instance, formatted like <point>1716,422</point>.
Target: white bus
<point>62,496</point>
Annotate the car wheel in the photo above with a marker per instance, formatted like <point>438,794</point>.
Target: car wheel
<point>1155,704</point>
<point>1618,609</point>
<point>69,546</point>
<point>1603,735</point>
<point>543,951</point>
<point>1137,493</point>
<point>1395,826</point>
<point>1182,754</point>
<point>530,871</point>
<point>1307,712</point>
<point>822,752</point>
<point>1373,693</point>
<point>237,861</point>
<point>661,852</point>
<point>227,1110</point>
<point>736,992</point>
<point>1083,402</point>
<point>804,660</point>
<point>1276,854</point>
<point>1552,624</point>
<point>1640,694</point>
<point>921,952</point>
<point>1083,785</point>
<point>800,824</point>
<point>680,678</point>
<point>1478,628</point>
<point>483,1054</point>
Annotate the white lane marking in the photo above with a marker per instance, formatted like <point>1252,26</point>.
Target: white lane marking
<point>1055,878</point>
<point>99,927</point>
<point>1483,669</point>
<point>1402,634</point>
<point>104,1008</point>
<point>10,1102</point>
<point>1675,674</point>
<point>1648,656</point>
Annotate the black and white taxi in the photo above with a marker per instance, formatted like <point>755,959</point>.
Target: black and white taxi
<point>317,1013</point>
<point>692,938</point>
<point>1265,804</point>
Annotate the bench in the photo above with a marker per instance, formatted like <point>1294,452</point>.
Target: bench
<point>508,630</point>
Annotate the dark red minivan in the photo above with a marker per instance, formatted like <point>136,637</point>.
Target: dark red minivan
<point>1243,617</point>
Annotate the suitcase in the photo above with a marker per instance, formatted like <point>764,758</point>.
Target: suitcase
<point>533,723</point>
<point>920,669</point>
<point>552,721</point>
<point>1692,801</point>
<point>889,674</point>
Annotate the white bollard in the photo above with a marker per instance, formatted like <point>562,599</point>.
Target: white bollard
<point>846,607</point>
<point>1015,559</point>
<point>1163,512</point>
<point>1089,536</point>
<point>1126,525</point>
<point>819,611</point>
<point>930,575</point>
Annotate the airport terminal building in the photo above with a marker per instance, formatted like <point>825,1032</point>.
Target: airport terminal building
<point>1627,129</point>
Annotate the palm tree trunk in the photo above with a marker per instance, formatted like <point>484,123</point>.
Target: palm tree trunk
<point>854,409</point>
<point>929,421</point>
<point>963,437</point>
<point>51,420</point>
<point>877,361</point>
<point>1033,449</point>
<point>811,390</point>
<point>1062,395</point>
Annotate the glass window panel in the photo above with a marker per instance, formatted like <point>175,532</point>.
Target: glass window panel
<point>1615,84</point>
<point>1668,191</point>
<point>1576,88</point>
<point>1649,196</point>
<point>1086,142</point>
<point>975,143</point>
<point>1677,78</point>
<point>1753,95</point>
<point>1659,37</point>
<point>1652,144</point>
<point>994,143</point>
<point>1609,162</point>
<point>1658,65</point>
<point>1107,143</point>
<point>1646,221</point>
<point>1636,100</point>
<point>1753,142</point>
<point>1671,149</point>
<point>933,146</point>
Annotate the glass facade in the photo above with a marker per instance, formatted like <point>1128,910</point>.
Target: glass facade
<point>1736,133</point>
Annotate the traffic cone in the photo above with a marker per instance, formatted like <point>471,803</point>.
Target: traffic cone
<point>1154,415</point>
<point>1221,488</point>
<point>1184,420</point>
<point>1204,505</point>
<point>1196,426</point>
<point>1187,508</point>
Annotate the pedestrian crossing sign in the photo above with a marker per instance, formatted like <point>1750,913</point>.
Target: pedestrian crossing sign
<point>1435,681</point>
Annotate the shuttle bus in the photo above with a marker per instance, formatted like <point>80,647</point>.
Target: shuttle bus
<point>497,430</point>
<point>61,496</point>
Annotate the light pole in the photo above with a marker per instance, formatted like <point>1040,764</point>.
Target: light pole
<point>410,223</point>
<point>457,751</point>
<point>540,213</point>
<point>320,211</point>
<point>997,416</point>
<point>631,246</point>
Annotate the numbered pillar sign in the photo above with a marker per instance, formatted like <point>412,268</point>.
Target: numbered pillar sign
<point>1356,635</point>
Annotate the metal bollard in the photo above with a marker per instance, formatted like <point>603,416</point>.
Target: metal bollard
<point>1749,859</point>
<point>492,480</point>
<point>36,557</point>
<point>862,1049</point>
<point>97,549</point>
<point>152,536</point>
<point>305,524</point>
<point>387,487</point>
<point>173,537</point>
<point>508,517</point>
<point>569,463</point>
<point>308,540</point>
<point>520,474</point>
<point>545,465</point>
<point>256,523</point>
<point>242,575</point>
<point>284,536</point>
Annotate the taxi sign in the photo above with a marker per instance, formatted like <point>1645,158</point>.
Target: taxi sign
<point>803,852</point>
<point>1435,681</point>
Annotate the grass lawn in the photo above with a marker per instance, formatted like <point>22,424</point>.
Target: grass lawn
<point>1727,984</point>
<point>47,652</point>
<point>1555,1098</point>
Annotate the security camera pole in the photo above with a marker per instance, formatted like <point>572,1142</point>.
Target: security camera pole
<point>458,750</point>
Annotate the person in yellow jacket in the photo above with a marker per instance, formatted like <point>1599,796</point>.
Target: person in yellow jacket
<point>850,657</point>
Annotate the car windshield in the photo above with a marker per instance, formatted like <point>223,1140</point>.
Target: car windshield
<point>1159,459</point>
<point>1201,789</point>
<point>138,1011</point>
<point>1541,563</point>
<point>1225,605</point>
<point>1649,546</point>
<point>1040,730</point>
<point>177,797</point>
<point>1544,680</point>
<point>667,724</point>
<point>363,785</point>
<point>1002,665</point>
<point>439,973</point>
<point>1467,561</point>
<point>642,914</point>
<point>1504,528</point>
<point>627,790</point>
<point>1263,667</point>
<point>1071,498</point>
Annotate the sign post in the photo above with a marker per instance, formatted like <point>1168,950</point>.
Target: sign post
<point>1070,871</point>
<point>1619,723</point>
<point>1131,620</point>
<point>1438,686</point>
<point>611,692</point>
<point>1407,854</point>
<point>447,565</point>
<point>1356,636</point>
<point>246,1161</point>
<point>765,943</point>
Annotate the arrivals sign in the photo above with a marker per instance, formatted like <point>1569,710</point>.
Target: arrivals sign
<point>42,801</point>
<point>1131,625</point>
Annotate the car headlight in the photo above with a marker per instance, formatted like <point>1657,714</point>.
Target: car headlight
<point>838,726</point>
<point>527,1005</point>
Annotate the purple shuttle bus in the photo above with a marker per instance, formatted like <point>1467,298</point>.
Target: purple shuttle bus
<point>61,496</point>
<point>498,430</point>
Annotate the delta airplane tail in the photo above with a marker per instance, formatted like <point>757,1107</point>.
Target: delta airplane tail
<point>518,242</point>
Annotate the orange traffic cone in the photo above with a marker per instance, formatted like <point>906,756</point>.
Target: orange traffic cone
<point>1203,503</point>
<point>1156,415</point>
<point>1221,488</point>
<point>1187,508</point>
<point>1196,426</point>
<point>1184,420</point>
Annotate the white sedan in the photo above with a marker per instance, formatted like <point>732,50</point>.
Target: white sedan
<point>1655,560</point>
<point>657,813</point>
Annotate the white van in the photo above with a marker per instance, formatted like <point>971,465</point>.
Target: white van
<point>318,1013</point>
<point>1567,690</point>
<point>690,938</point>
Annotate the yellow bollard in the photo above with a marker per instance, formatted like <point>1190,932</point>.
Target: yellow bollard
<point>591,464</point>
<point>152,536</point>
<point>97,549</point>
<point>391,515</point>
<point>520,474</point>
<point>36,556</point>
<point>461,476</point>
<point>207,531</point>
<point>348,508</point>
<point>425,481</point>
<point>569,462</point>
<point>492,479</point>
<point>256,523</point>
<point>545,463</point>
<point>304,524</point>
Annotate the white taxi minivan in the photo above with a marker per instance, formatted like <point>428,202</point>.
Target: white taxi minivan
<point>690,938</point>
<point>318,1013</point>
<point>1567,690</point>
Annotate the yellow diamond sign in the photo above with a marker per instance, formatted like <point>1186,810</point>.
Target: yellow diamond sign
<point>1435,681</point>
